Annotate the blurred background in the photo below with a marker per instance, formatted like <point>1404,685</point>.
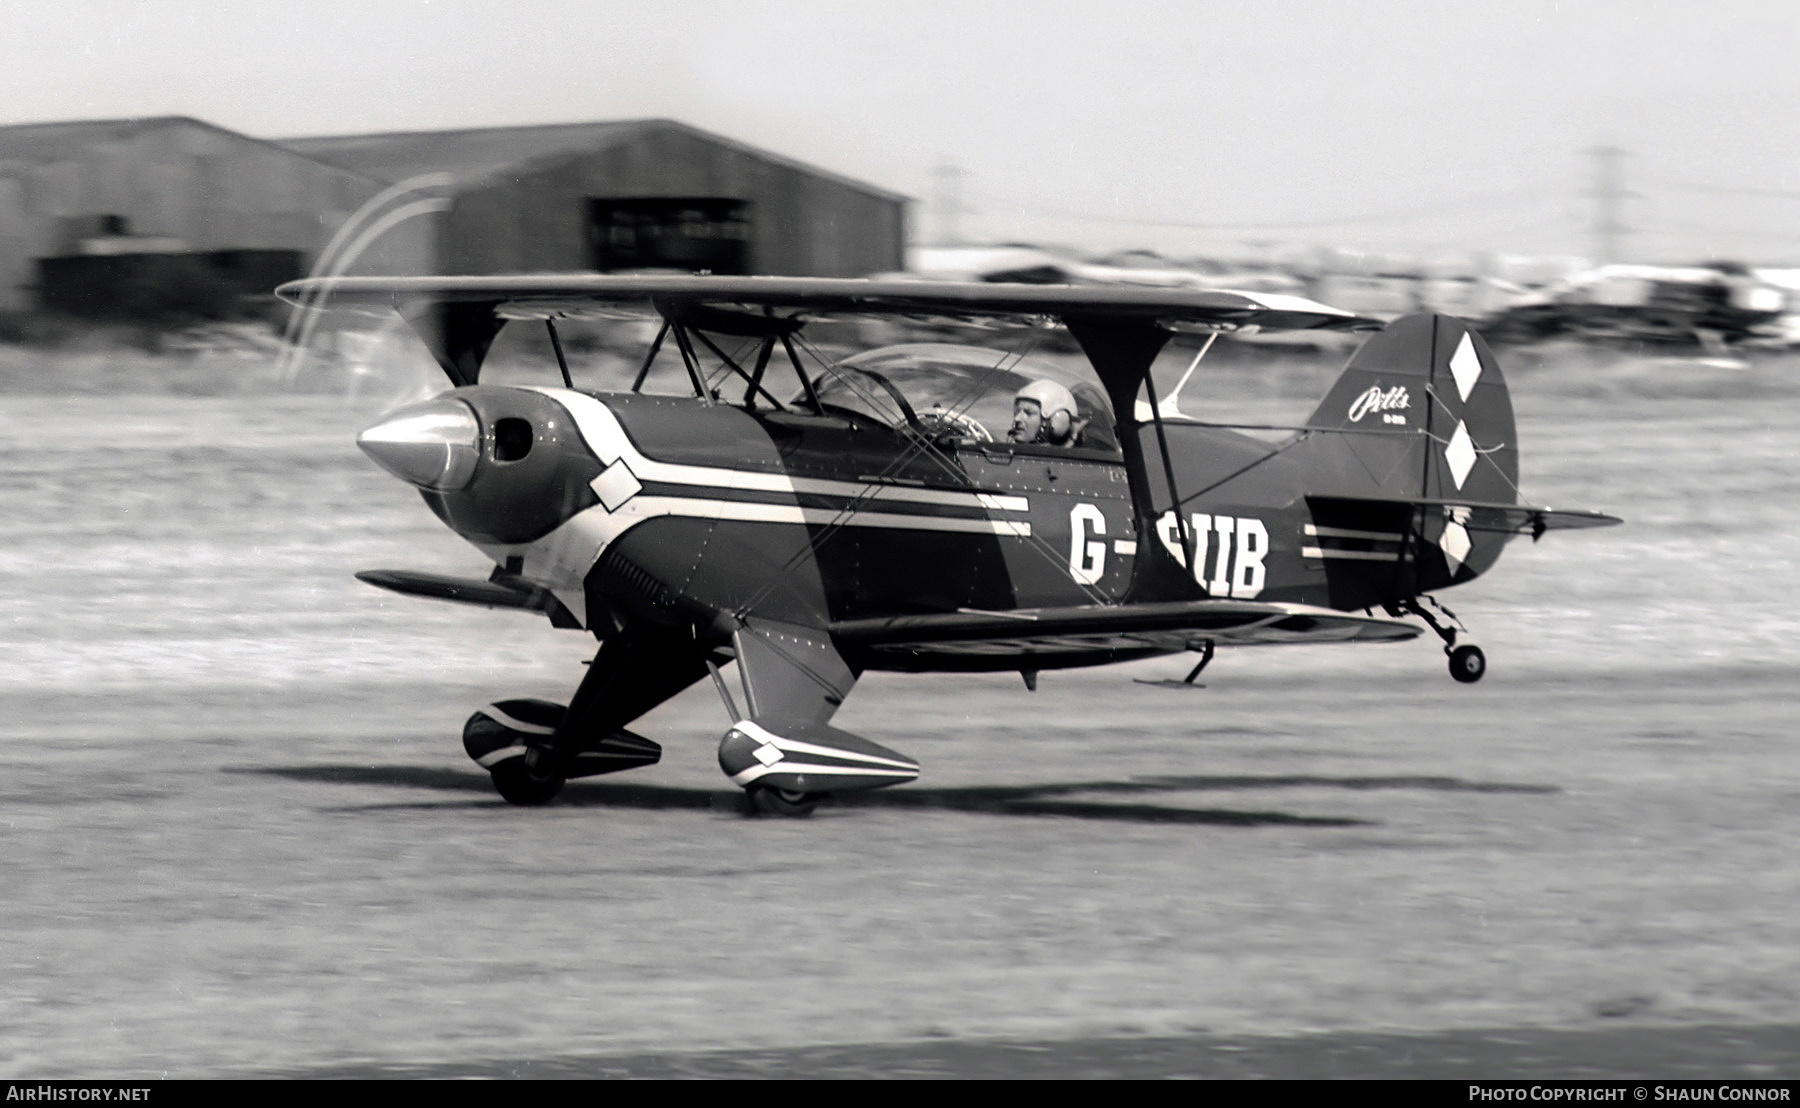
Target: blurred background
<point>1599,170</point>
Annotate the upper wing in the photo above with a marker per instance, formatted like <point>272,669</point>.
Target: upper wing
<point>1173,625</point>
<point>794,300</point>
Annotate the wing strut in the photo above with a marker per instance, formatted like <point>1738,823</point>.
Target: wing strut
<point>1175,396</point>
<point>1121,353</point>
<point>692,362</point>
<point>762,365</point>
<point>562,361</point>
<point>650,358</point>
<point>457,332</point>
<point>755,381</point>
<point>1183,526</point>
<point>812,395</point>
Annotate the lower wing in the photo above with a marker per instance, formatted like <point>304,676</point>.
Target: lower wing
<point>1045,636</point>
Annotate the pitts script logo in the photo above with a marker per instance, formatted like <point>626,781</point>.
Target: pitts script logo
<point>1389,402</point>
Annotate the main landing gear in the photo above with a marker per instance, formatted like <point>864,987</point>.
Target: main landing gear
<point>767,800</point>
<point>530,747</point>
<point>1467,663</point>
<point>516,783</point>
<point>782,752</point>
<point>507,738</point>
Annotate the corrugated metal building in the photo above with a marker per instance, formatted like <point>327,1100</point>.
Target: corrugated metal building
<point>90,210</point>
<point>642,194</point>
<point>132,188</point>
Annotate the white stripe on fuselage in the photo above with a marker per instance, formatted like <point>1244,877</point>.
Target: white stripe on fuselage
<point>560,561</point>
<point>1346,533</point>
<point>607,439</point>
<point>1350,555</point>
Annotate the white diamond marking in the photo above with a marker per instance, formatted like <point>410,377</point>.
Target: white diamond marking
<point>1465,366</point>
<point>615,485</point>
<point>1455,544</point>
<point>1460,454</point>
<point>768,754</point>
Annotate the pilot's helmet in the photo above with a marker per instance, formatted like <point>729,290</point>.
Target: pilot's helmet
<point>1051,398</point>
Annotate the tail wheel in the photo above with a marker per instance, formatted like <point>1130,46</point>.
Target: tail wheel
<point>517,784</point>
<point>1468,664</point>
<point>768,801</point>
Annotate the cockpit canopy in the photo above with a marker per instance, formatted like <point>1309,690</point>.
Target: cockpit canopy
<point>963,393</point>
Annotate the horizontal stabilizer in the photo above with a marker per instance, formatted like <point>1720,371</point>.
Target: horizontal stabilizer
<point>1475,515</point>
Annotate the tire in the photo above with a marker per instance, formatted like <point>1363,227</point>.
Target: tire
<point>1468,664</point>
<point>516,784</point>
<point>766,801</point>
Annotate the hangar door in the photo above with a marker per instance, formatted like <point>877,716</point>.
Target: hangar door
<point>689,233</point>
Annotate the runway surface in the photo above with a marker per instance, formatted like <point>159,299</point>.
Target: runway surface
<point>1520,1054</point>
<point>240,836</point>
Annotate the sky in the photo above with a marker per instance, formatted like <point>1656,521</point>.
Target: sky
<point>1406,127</point>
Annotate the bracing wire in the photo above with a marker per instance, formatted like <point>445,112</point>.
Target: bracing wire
<point>919,447</point>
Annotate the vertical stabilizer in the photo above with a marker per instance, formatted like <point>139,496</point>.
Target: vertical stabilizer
<point>1421,412</point>
<point>1417,431</point>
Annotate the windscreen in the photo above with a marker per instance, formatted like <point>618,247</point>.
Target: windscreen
<point>967,389</point>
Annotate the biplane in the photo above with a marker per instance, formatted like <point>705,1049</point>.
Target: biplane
<point>807,515</point>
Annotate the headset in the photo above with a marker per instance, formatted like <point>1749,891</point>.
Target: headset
<point>1057,405</point>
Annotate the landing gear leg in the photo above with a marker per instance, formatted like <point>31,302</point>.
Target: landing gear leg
<point>782,750</point>
<point>1467,663</point>
<point>1206,655</point>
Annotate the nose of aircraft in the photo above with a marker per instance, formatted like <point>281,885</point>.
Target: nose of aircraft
<point>434,444</point>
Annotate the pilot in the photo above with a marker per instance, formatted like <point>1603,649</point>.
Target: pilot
<point>1045,412</point>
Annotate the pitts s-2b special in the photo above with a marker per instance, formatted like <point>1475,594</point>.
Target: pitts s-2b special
<point>922,507</point>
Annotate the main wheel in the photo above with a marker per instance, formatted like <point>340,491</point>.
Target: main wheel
<point>516,784</point>
<point>767,801</point>
<point>1468,664</point>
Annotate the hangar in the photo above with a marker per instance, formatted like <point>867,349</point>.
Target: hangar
<point>91,210</point>
<point>629,195</point>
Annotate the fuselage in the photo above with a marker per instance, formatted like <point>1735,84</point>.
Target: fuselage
<point>671,508</point>
<point>891,490</point>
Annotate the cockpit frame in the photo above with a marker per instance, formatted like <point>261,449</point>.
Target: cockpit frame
<point>955,395</point>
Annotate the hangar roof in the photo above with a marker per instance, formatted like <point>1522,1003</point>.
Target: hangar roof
<point>52,142</point>
<point>477,152</point>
